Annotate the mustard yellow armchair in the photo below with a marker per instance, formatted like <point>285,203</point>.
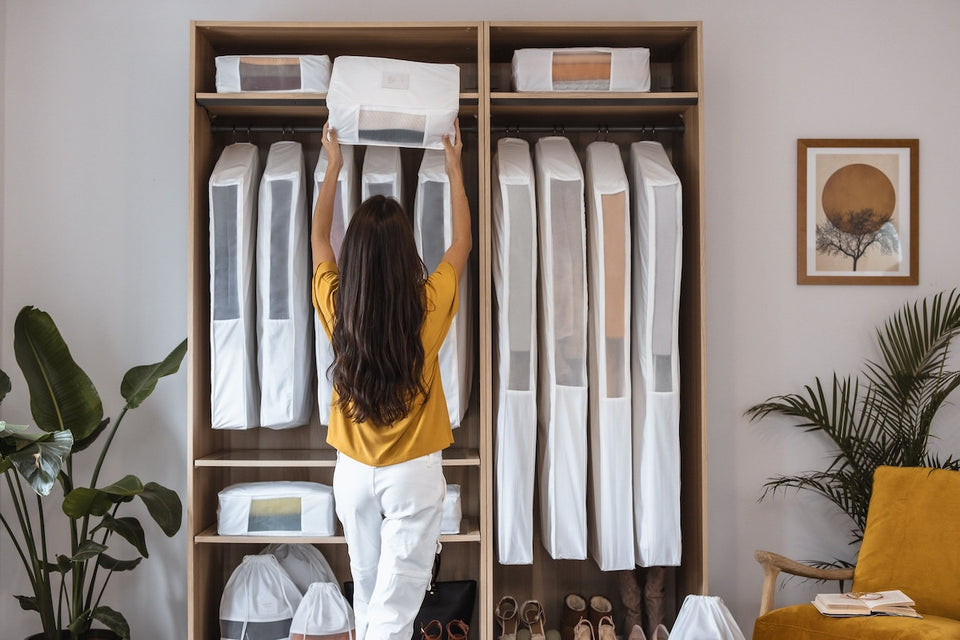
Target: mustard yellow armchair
<point>911,542</point>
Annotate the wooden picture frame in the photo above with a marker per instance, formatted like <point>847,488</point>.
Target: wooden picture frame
<point>857,211</point>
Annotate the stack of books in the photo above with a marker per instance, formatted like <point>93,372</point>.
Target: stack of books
<point>870,603</point>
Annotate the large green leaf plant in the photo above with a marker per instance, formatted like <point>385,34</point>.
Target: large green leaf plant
<point>68,587</point>
<point>884,416</point>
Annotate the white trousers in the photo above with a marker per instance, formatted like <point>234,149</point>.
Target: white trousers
<point>391,521</point>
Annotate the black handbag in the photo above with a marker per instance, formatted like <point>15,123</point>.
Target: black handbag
<point>445,600</point>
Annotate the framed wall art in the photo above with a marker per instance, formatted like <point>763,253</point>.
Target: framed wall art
<point>857,211</point>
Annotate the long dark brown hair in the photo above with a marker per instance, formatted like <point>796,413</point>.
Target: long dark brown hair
<point>378,354</point>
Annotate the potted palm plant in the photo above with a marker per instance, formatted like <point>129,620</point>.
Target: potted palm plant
<point>884,416</point>
<point>68,586</point>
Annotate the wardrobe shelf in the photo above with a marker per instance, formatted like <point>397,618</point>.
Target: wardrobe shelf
<point>470,532</point>
<point>305,458</point>
<point>291,105</point>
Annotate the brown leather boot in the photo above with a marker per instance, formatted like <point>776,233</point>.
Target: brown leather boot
<point>598,607</point>
<point>574,608</point>
<point>631,595</point>
<point>654,592</point>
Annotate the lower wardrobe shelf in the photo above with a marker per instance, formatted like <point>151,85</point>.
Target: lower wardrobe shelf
<point>469,532</point>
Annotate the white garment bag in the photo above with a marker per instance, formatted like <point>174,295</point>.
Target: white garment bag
<point>433,231</point>
<point>382,101</point>
<point>515,377</point>
<point>323,614</point>
<point>382,173</point>
<point>272,73</point>
<point>258,601</point>
<point>657,232</point>
<point>284,310</point>
<point>563,349</point>
<point>344,205</point>
<point>234,382</point>
<point>303,563</point>
<point>611,475</point>
<point>705,618</point>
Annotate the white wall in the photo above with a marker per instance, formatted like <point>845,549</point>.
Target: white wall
<point>94,227</point>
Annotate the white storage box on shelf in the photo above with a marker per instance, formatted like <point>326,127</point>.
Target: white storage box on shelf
<point>657,234</point>
<point>323,614</point>
<point>452,510</point>
<point>344,205</point>
<point>284,310</point>
<point>258,601</point>
<point>297,74</point>
<point>515,377</point>
<point>433,231</point>
<point>282,508</point>
<point>383,101</point>
<point>303,563</point>
<point>382,174</point>
<point>234,382</point>
<point>563,349</point>
<point>608,257</point>
<point>582,69</point>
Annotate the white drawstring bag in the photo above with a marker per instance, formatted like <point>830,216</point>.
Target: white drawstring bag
<point>234,382</point>
<point>382,101</point>
<point>582,69</point>
<point>382,174</point>
<point>563,349</point>
<point>515,378</point>
<point>344,205</point>
<point>433,231</point>
<point>284,311</point>
<point>705,618</point>
<point>303,563</point>
<point>611,474</point>
<point>323,614</point>
<point>657,232</point>
<point>272,73</point>
<point>258,601</point>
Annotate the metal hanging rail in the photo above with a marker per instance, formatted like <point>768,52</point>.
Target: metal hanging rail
<point>557,129</point>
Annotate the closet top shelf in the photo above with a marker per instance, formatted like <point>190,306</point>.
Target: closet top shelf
<point>287,104</point>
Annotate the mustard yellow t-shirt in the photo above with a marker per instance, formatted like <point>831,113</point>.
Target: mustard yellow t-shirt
<point>427,427</point>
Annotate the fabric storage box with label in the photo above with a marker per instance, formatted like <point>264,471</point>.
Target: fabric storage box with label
<point>281,73</point>
<point>383,101</point>
<point>582,69</point>
<point>282,508</point>
<point>452,510</point>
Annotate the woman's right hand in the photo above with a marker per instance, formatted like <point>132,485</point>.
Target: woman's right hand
<point>452,149</point>
<point>332,146</point>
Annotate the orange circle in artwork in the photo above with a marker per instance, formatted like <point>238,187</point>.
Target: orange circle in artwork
<point>853,189</point>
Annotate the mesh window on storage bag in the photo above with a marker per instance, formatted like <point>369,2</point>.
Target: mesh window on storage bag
<point>582,69</point>
<point>284,310</point>
<point>563,349</point>
<point>657,231</point>
<point>608,229</point>
<point>515,281</point>
<point>382,101</point>
<point>382,174</point>
<point>281,508</point>
<point>303,563</point>
<point>433,231</point>
<point>234,382</point>
<point>273,73</point>
<point>323,614</point>
<point>258,601</point>
<point>344,205</point>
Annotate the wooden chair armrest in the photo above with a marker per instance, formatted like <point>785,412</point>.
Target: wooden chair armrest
<point>774,563</point>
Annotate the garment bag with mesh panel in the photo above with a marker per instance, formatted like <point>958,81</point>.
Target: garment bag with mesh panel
<point>563,349</point>
<point>582,69</point>
<point>284,308</point>
<point>382,174</point>
<point>382,101</point>
<point>344,205</point>
<point>273,73</point>
<point>234,382</point>
<point>433,230</point>
<point>608,252</point>
<point>515,376</point>
<point>657,228</point>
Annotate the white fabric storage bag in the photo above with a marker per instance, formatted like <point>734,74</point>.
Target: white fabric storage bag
<point>452,510</point>
<point>234,382</point>
<point>562,325</point>
<point>657,236</point>
<point>582,69</point>
<point>280,508</point>
<point>344,205</point>
<point>280,73</point>
<point>705,618</point>
<point>303,563</point>
<point>284,310</point>
<point>323,614</point>
<point>258,601</point>
<point>514,262</point>
<point>433,231</point>
<point>608,230</point>
<point>382,173</point>
<point>383,101</point>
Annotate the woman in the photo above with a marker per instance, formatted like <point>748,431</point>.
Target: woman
<point>388,420</point>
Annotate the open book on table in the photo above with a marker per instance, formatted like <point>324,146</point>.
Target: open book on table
<point>887,603</point>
